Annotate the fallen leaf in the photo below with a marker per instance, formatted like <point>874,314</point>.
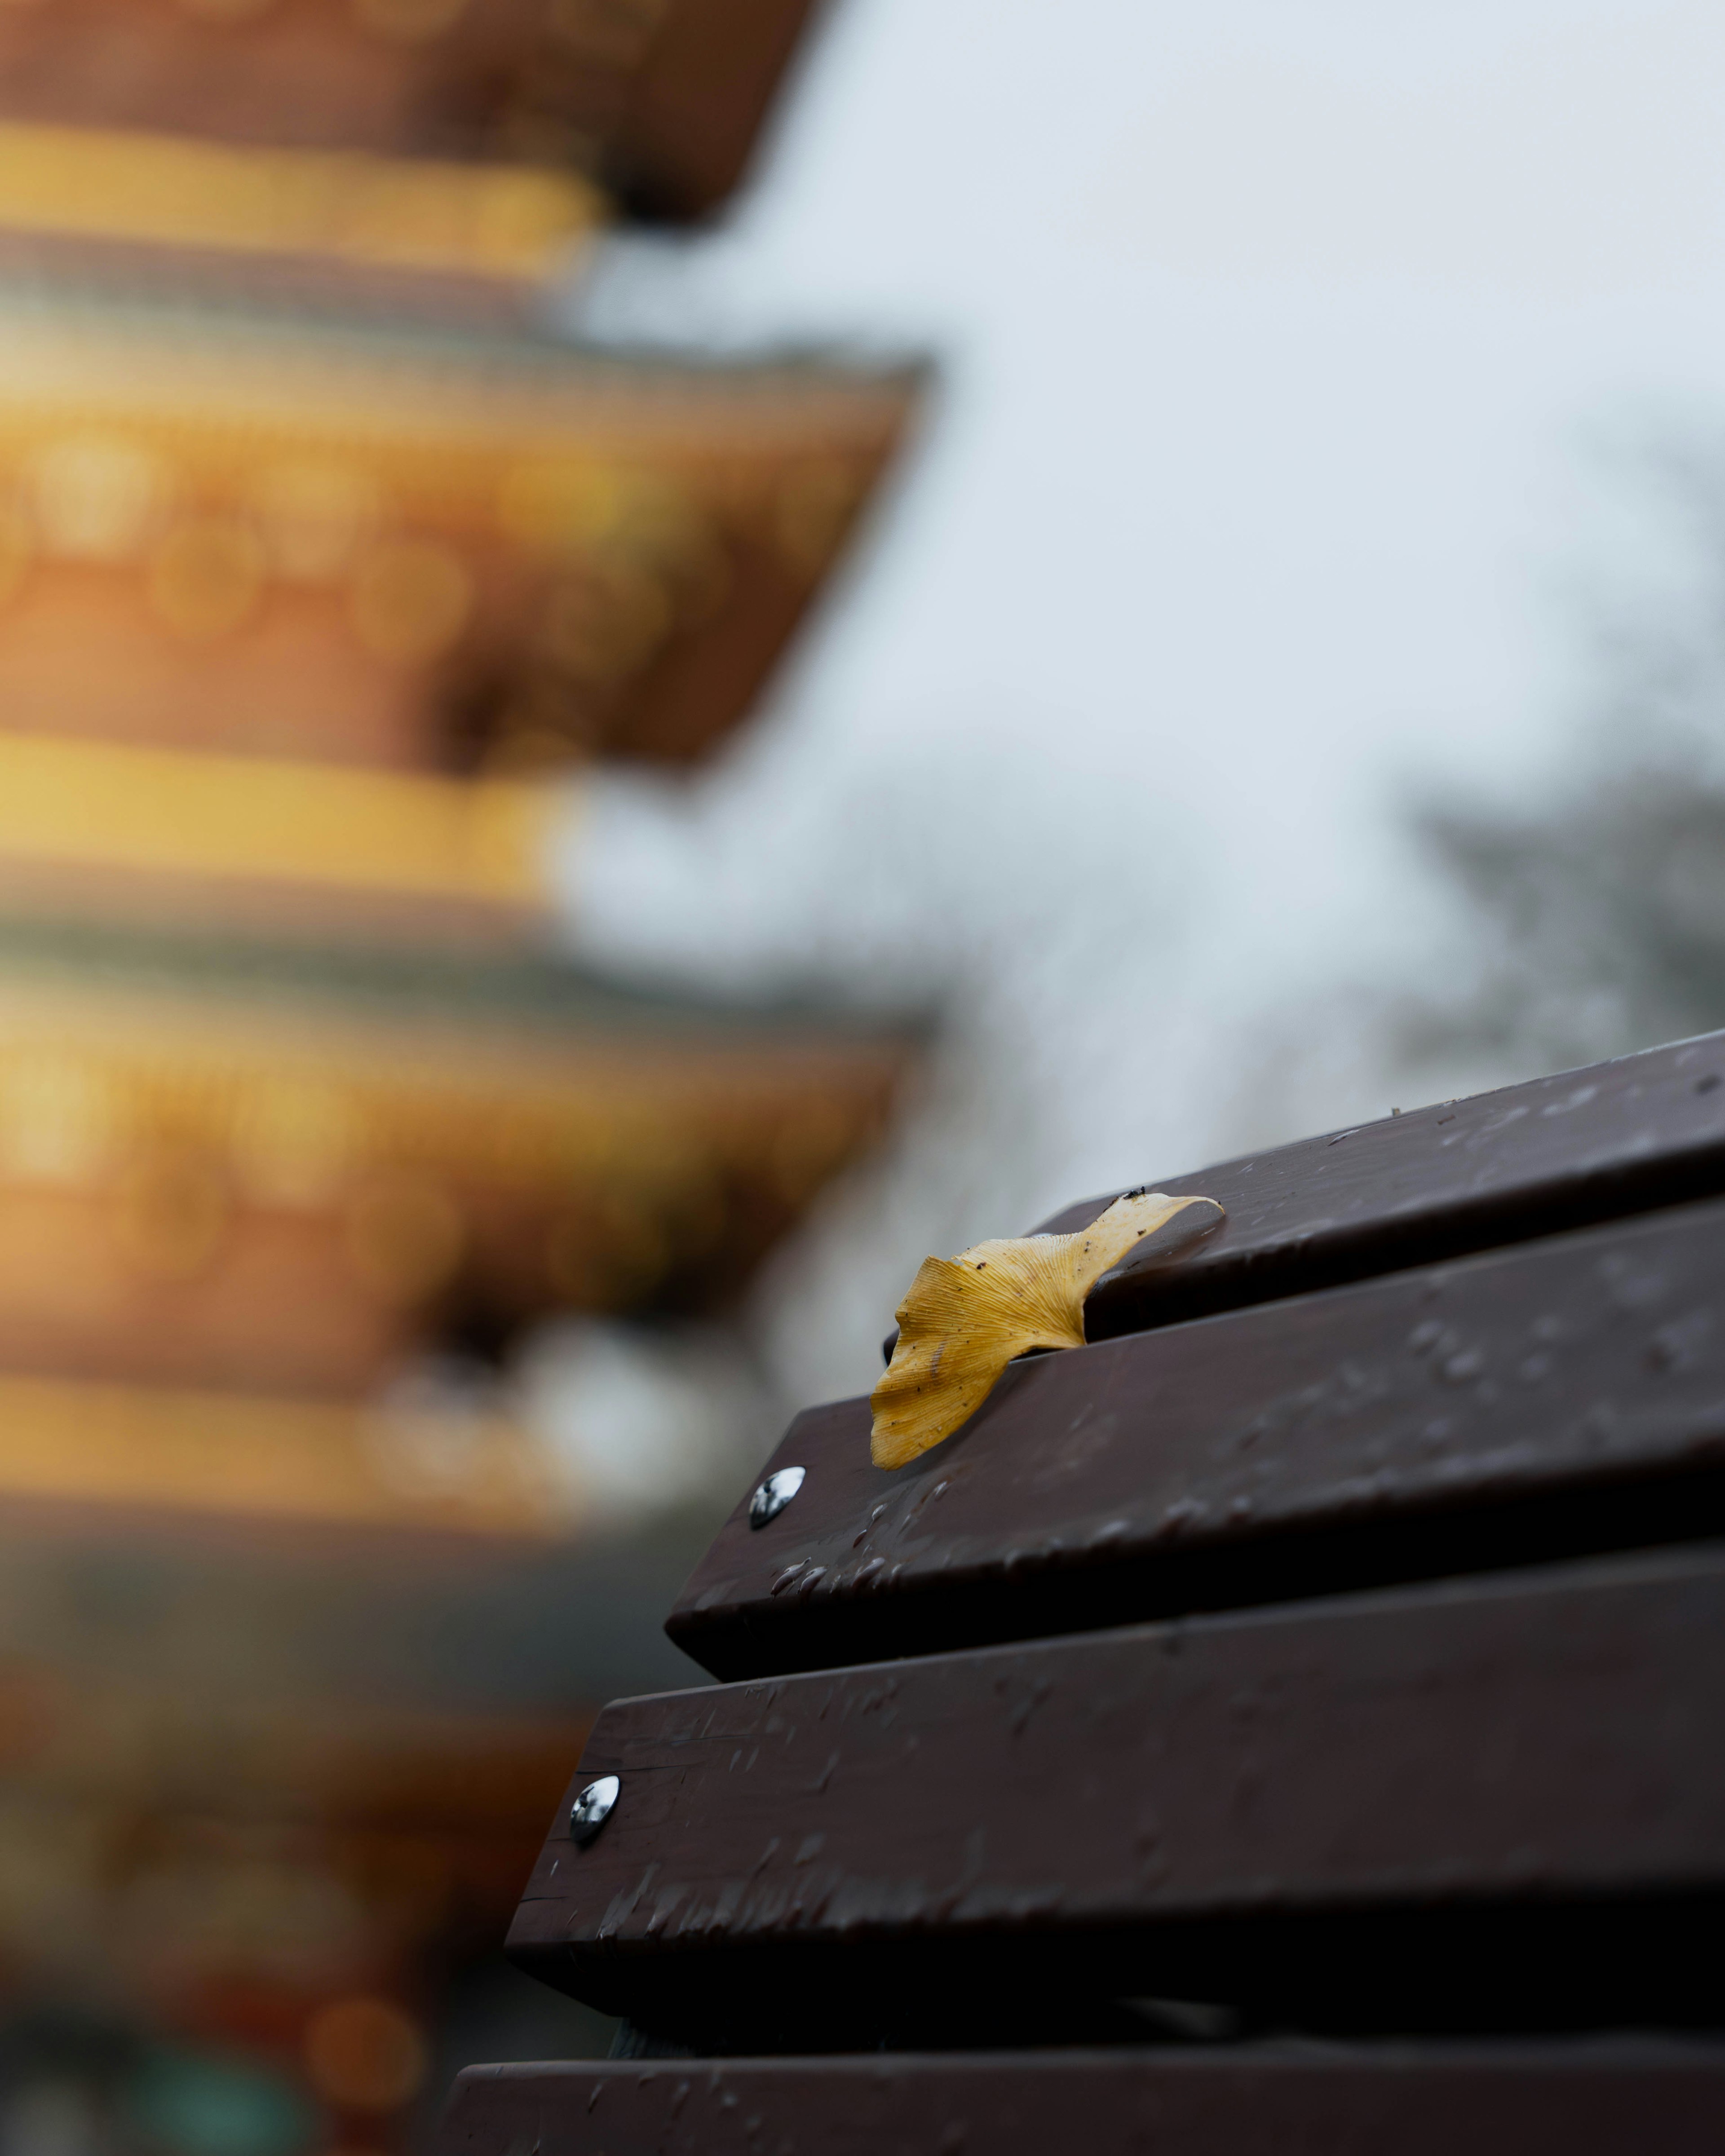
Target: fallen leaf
<point>965,1317</point>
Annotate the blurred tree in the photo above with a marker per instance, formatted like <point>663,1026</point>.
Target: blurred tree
<point>1598,922</point>
<point>1603,919</point>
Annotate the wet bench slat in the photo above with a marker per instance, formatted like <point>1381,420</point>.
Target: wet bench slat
<point>1568,1151</point>
<point>1177,1810</point>
<point>1331,1645</point>
<point>1617,2098</point>
<point>1547,1400</point>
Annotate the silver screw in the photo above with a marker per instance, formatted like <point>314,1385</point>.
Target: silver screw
<point>773,1495</point>
<point>592,1809</point>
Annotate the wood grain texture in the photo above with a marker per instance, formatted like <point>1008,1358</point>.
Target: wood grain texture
<point>1621,2099</point>
<point>1461,1176</point>
<point>1161,1810</point>
<point>1558,1397</point>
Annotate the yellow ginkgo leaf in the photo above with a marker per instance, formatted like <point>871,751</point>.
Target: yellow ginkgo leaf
<point>965,1317</point>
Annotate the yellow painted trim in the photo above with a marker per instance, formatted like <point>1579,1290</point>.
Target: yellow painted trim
<point>103,805</point>
<point>309,1460</point>
<point>482,220</point>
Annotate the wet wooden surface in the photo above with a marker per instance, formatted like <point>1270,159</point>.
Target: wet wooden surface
<point>1557,1398</point>
<point>1420,1462</point>
<point>1547,1738</point>
<point>1586,1146</point>
<point>1617,2098</point>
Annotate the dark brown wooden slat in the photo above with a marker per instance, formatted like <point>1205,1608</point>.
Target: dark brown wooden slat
<point>1161,1798</point>
<point>1617,2098</point>
<point>1555,1398</point>
<point>1561,1153</point>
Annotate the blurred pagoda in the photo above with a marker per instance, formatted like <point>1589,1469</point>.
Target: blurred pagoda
<point>325,568</point>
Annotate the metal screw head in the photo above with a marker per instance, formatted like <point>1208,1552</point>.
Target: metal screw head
<point>773,1495</point>
<point>592,1809</point>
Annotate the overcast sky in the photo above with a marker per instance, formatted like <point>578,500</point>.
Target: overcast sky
<point>1286,345</point>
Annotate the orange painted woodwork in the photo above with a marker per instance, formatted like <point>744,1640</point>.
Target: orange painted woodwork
<point>660,100</point>
<point>231,531</point>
